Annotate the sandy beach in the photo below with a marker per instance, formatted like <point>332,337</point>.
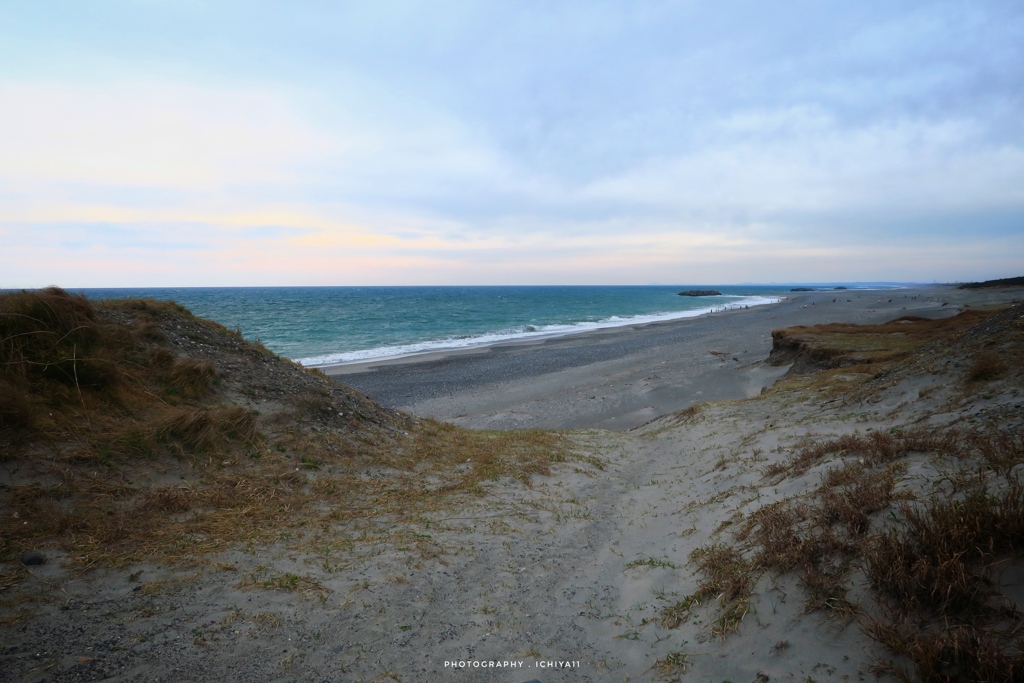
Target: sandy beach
<point>586,574</point>
<point>620,378</point>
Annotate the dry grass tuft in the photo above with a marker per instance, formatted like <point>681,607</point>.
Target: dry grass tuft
<point>161,359</point>
<point>937,558</point>
<point>64,368</point>
<point>11,578</point>
<point>1001,451</point>
<point>17,413</point>
<point>51,348</point>
<point>316,405</point>
<point>487,455</point>
<point>951,654</point>
<point>850,496</point>
<point>674,663</point>
<point>262,577</point>
<point>167,499</point>
<point>728,577</point>
<point>148,331</point>
<point>819,537</point>
<point>194,378</point>
<point>987,366</point>
<point>875,448</point>
<point>934,572</point>
<point>199,429</point>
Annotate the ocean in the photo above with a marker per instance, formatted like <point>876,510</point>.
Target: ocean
<point>322,325</point>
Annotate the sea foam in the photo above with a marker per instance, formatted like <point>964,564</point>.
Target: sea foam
<point>527,332</point>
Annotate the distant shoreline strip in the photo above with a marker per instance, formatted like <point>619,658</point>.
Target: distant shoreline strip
<point>528,333</point>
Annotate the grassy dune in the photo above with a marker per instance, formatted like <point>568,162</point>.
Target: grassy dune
<point>921,520</point>
<point>132,430</point>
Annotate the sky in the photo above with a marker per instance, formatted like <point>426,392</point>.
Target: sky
<point>186,143</point>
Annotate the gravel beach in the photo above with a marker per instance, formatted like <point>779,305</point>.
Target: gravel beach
<point>620,378</point>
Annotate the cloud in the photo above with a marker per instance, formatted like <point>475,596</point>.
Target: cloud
<point>167,135</point>
<point>158,146</point>
<point>587,142</point>
<point>792,162</point>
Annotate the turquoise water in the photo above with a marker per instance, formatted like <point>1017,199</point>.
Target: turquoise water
<point>319,325</point>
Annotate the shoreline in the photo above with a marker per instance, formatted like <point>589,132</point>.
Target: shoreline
<point>622,377</point>
<point>361,365</point>
<point>540,336</point>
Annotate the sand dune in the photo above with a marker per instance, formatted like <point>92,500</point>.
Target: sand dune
<point>647,555</point>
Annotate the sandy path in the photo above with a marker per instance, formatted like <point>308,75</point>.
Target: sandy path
<point>531,575</point>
